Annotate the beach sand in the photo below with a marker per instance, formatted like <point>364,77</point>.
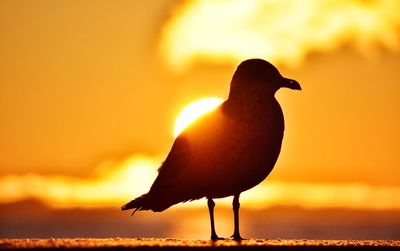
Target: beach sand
<point>182,244</point>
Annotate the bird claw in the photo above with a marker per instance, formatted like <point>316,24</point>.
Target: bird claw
<point>237,237</point>
<point>216,238</point>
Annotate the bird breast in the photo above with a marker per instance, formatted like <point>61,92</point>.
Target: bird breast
<point>234,150</point>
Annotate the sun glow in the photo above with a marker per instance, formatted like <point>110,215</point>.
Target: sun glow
<point>193,111</point>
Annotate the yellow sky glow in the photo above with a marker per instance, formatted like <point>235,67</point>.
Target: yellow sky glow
<point>102,82</point>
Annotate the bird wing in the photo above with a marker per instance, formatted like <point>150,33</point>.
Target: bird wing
<point>176,160</point>
<point>219,155</point>
<point>193,160</point>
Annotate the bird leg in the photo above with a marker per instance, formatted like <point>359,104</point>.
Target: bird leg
<point>211,205</point>
<point>236,205</point>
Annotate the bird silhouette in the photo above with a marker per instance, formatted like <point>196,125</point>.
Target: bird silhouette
<point>226,151</point>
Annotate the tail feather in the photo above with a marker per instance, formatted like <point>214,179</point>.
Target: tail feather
<point>153,202</point>
<point>136,204</point>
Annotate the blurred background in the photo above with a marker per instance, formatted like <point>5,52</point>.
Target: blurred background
<point>90,91</point>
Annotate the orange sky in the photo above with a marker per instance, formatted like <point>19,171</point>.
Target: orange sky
<point>86,82</point>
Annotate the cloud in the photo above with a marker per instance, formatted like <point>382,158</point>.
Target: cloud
<point>284,32</point>
<point>114,182</point>
<point>117,182</point>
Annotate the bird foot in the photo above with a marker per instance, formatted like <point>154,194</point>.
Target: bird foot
<point>216,238</point>
<point>237,237</point>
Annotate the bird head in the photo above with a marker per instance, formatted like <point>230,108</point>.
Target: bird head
<point>260,76</point>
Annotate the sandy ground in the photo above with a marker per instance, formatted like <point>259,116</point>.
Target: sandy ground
<point>181,244</point>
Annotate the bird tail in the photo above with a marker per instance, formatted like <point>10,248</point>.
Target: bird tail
<point>136,204</point>
<point>153,202</point>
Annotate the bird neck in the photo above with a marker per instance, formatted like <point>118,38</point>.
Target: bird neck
<point>251,90</point>
<point>253,98</point>
<point>244,104</point>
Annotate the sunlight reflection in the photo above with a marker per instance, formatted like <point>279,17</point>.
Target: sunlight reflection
<point>186,229</point>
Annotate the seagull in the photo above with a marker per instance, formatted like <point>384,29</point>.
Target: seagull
<point>226,151</point>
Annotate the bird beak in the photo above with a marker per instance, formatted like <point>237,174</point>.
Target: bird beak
<point>290,83</point>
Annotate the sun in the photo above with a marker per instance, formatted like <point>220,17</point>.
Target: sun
<point>193,111</point>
